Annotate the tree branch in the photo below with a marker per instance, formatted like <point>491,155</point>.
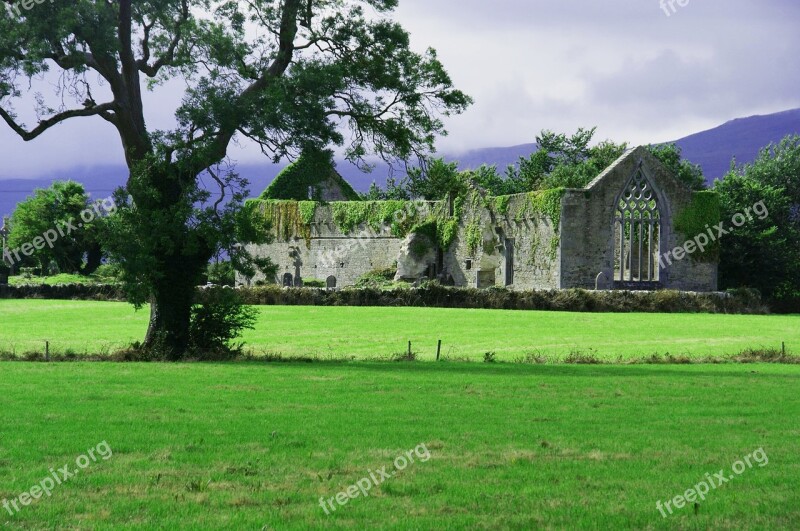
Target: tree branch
<point>286,48</point>
<point>169,55</point>
<point>102,110</point>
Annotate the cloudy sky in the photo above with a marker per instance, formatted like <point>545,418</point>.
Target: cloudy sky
<point>639,71</point>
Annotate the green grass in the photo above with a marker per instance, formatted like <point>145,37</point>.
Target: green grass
<point>61,278</point>
<point>255,446</point>
<point>97,327</point>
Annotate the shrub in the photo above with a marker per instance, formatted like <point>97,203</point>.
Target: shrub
<point>532,358</point>
<point>377,278</point>
<point>405,356</point>
<point>108,273</point>
<point>217,321</point>
<point>221,274</point>
<point>313,283</point>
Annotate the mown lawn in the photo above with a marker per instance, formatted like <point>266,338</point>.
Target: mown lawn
<point>97,327</point>
<point>255,446</point>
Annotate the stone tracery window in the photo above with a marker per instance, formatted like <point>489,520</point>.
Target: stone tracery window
<point>637,233</point>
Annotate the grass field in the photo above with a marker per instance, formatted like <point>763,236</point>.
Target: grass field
<point>61,278</point>
<point>97,327</point>
<point>255,446</point>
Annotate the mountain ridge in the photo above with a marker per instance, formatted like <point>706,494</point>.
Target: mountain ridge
<point>713,149</point>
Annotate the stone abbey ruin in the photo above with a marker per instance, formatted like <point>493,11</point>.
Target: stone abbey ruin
<point>613,234</point>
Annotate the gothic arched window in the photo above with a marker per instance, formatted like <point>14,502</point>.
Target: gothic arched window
<point>637,232</point>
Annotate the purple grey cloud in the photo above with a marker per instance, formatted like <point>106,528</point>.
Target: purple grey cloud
<point>623,65</point>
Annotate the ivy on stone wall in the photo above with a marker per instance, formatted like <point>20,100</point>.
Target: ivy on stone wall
<point>542,203</point>
<point>555,242</point>
<point>474,236</point>
<point>287,219</point>
<point>267,220</point>
<point>400,216</point>
<point>307,211</point>
<point>702,213</point>
<point>501,204</point>
<point>439,226</point>
<point>548,203</point>
<point>536,243</point>
<point>313,169</point>
<point>428,229</point>
<point>278,220</point>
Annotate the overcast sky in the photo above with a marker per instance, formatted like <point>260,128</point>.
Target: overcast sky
<point>626,66</point>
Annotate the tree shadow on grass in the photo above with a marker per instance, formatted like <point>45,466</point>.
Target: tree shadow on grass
<point>522,370</point>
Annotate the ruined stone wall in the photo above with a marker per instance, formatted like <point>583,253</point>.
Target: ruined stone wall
<point>330,252</point>
<point>542,240</point>
<point>511,234</point>
<point>588,246</point>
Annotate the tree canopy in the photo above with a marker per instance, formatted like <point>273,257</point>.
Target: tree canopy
<point>284,75</point>
<point>49,223</point>
<point>764,253</point>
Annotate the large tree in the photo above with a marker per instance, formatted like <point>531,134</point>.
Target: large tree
<point>54,215</point>
<point>284,74</point>
<point>764,252</point>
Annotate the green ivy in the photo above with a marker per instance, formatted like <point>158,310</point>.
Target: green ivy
<point>286,219</point>
<point>501,204</point>
<point>474,236</point>
<point>701,213</point>
<point>446,232</point>
<point>420,247</point>
<point>548,203</point>
<point>274,219</point>
<point>310,170</point>
<point>458,208</point>
<point>307,211</point>
<point>349,215</point>
<point>555,241</point>
<point>536,242</point>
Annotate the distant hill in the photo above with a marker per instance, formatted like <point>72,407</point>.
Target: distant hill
<point>713,150</point>
<point>742,138</point>
<point>500,157</point>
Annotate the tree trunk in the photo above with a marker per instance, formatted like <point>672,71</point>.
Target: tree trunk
<point>94,259</point>
<point>170,310</point>
<point>180,255</point>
